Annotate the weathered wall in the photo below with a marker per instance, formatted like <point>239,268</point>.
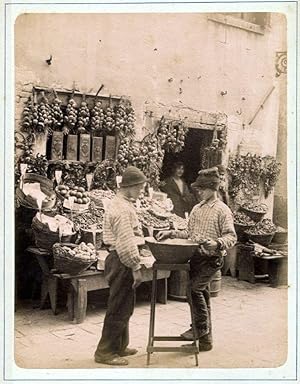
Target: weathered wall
<point>165,59</point>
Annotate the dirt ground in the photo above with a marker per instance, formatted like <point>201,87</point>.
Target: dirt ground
<point>250,331</point>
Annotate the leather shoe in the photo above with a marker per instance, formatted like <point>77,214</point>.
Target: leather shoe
<point>112,360</point>
<point>129,352</point>
<point>188,335</point>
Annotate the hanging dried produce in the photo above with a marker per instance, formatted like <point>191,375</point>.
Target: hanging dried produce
<point>45,120</point>
<point>57,113</point>
<point>83,116</point>
<point>162,131</point>
<point>29,115</point>
<point>172,135</point>
<point>120,118</point>
<point>71,116</point>
<point>109,121</point>
<point>129,125</point>
<point>97,116</point>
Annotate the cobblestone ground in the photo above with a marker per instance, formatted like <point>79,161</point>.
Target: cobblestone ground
<point>249,331</point>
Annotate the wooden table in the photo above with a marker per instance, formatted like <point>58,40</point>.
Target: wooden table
<point>79,285</point>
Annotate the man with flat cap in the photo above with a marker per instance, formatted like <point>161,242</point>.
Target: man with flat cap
<point>210,224</point>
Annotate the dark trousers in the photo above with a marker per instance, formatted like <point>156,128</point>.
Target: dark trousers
<point>202,270</point>
<point>115,332</point>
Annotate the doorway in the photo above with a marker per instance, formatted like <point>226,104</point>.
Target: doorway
<point>191,155</point>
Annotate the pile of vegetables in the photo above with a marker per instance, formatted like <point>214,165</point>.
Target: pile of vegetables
<point>82,251</point>
<point>243,219</point>
<point>84,221</point>
<point>263,227</point>
<point>149,220</point>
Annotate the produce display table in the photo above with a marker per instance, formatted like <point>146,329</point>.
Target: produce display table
<point>79,285</point>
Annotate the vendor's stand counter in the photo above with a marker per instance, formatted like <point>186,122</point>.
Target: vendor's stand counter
<point>79,285</point>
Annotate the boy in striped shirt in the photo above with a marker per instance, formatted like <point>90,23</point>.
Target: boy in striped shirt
<point>211,225</point>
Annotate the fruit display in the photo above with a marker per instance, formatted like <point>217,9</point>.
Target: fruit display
<point>243,219</point>
<point>83,116</point>
<point>101,194</point>
<point>108,120</point>
<point>82,251</point>
<point>80,194</point>
<point>70,117</point>
<point>148,220</point>
<point>57,113</point>
<point>84,221</point>
<point>97,116</point>
<point>255,207</point>
<point>264,227</point>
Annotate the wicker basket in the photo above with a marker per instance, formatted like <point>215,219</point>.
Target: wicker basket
<point>264,239</point>
<point>66,263</point>
<point>46,187</point>
<point>240,231</point>
<point>44,238</point>
<point>172,251</point>
<point>254,215</point>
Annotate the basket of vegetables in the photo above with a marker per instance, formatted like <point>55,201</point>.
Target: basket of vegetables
<point>262,233</point>
<point>72,258</point>
<point>81,199</point>
<point>256,211</point>
<point>242,222</point>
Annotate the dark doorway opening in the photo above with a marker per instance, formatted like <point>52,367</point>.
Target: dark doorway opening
<point>191,155</point>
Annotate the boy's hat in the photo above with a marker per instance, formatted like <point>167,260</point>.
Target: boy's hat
<point>132,176</point>
<point>208,178</point>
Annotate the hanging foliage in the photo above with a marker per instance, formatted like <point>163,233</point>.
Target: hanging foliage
<point>248,172</point>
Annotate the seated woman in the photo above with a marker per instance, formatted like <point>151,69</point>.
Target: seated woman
<point>178,191</point>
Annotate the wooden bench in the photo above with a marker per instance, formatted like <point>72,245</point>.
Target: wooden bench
<point>79,285</point>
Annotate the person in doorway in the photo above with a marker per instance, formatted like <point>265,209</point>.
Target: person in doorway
<point>210,224</point>
<point>122,269</point>
<point>178,191</point>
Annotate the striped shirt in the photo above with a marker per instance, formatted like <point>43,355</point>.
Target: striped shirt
<point>120,226</point>
<point>211,220</point>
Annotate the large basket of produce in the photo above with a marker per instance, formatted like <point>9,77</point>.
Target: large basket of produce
<point>172,251</point>
<point>262,233</point>
<point>47,230</point>
<point>36,187</point>
<point>242,223</point>
<point>256,211</point>
<point>147,219</point>
<point>73,259</point>
<point>280,236</point>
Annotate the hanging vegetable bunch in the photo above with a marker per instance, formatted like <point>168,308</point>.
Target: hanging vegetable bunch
<point>57,113</point>
<point>162,131</point>
<point>97,116</point>
<point>45,119</point>
<point>71,116</point>
<point>125,155</point>
<point>83,116</point>
<point>129,125</point>
<point>270,174</point>
<point>120,118</point>
<point>25,144</point>
<point>30,114</point>
<point>172,135</point>
<point>108,121</point>
<point>105,175</point>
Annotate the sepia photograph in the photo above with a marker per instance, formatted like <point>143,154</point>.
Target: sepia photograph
<point>151,225</point>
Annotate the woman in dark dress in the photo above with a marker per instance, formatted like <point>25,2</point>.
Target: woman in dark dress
<point>178,191</point>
